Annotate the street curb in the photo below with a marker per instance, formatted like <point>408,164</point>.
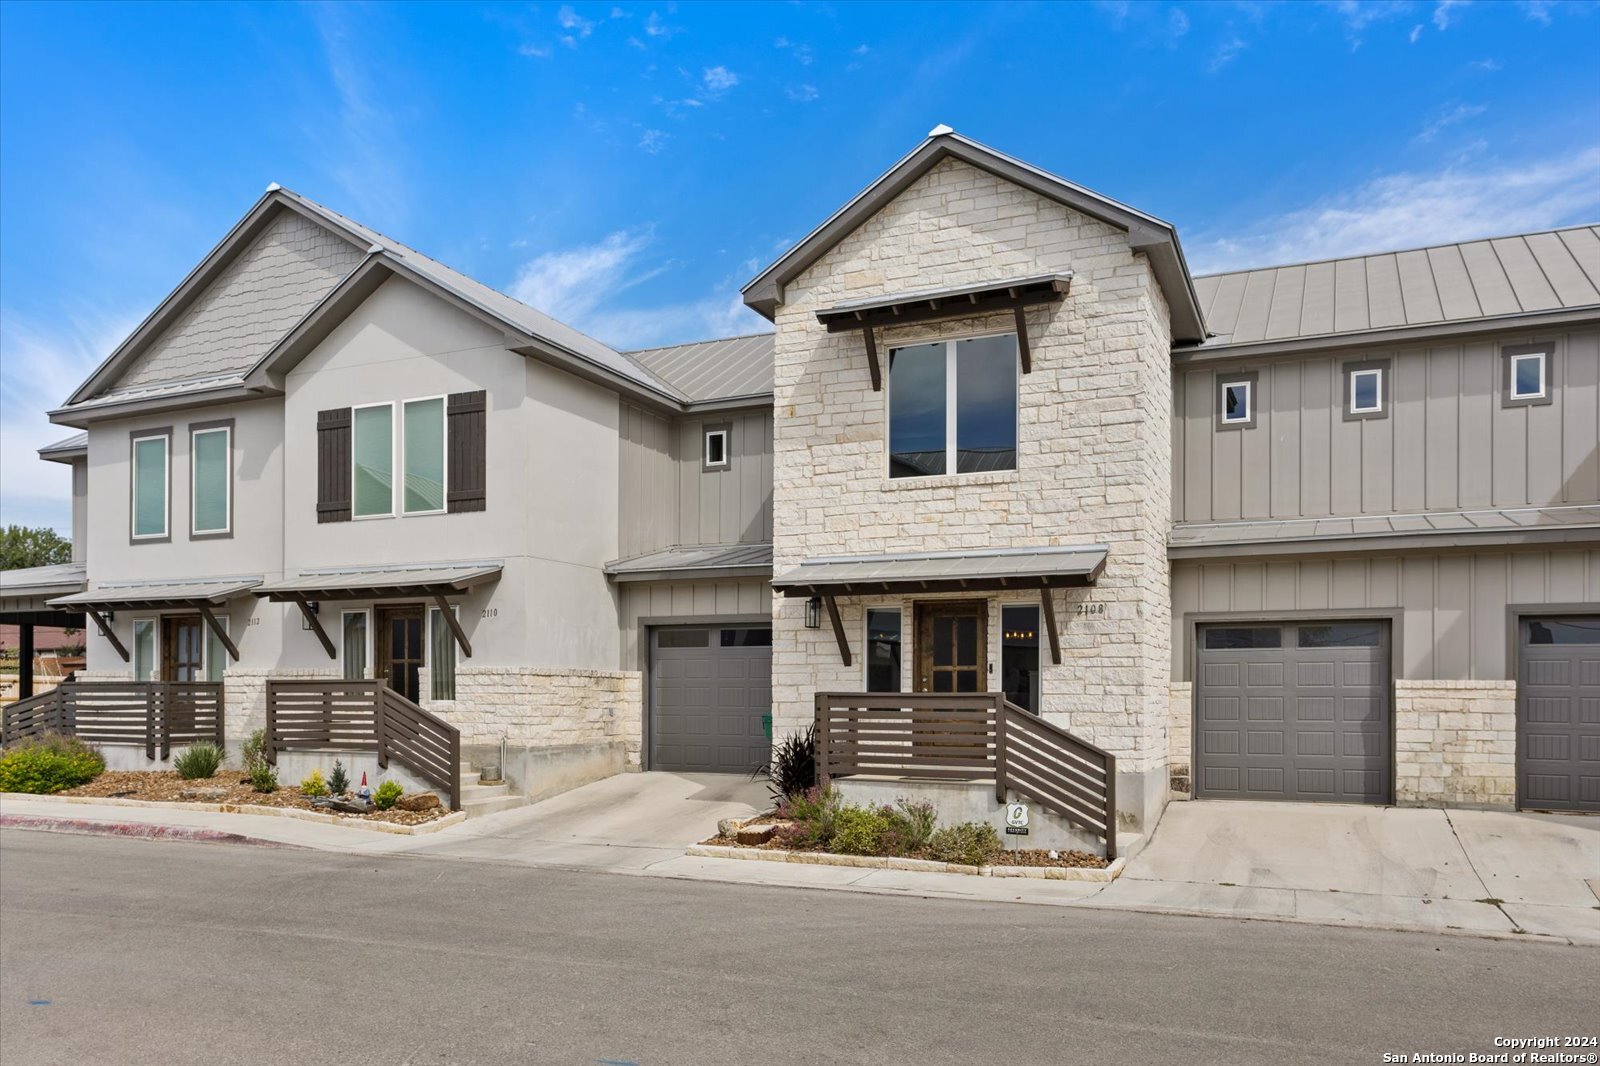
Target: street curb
<point>453,818</point>
<point>881,862</point>
<point>138,830</point>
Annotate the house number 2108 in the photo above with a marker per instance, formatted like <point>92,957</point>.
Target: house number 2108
<point>1091,608</point>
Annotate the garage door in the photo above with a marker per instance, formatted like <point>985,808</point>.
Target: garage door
<point>1293,712</point>
<point>1558,714</point>
<point>710,699</point>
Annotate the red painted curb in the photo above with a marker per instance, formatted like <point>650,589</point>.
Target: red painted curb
<point>139,830</point>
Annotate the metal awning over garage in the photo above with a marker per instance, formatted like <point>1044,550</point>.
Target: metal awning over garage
<point>433,581</point>
<point>198,596</point>
<point>689,563</point>
<point>992,570</point>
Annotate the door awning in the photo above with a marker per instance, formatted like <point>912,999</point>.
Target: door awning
<point>975,571</point>
<point>197,596</point>
<point>1015,295</point>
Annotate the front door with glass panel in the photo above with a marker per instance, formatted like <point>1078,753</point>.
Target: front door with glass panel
<point>182,648</point>
<point>400,648</point>
<point>952,647</point>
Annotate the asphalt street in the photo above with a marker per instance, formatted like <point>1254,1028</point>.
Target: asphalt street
<point>134,952</point>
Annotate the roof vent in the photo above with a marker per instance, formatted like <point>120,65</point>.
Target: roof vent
<point>940,130</point>
<point>274,187</point>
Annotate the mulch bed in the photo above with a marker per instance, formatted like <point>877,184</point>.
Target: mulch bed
<point>168,787</point>
<point>1022,857</point>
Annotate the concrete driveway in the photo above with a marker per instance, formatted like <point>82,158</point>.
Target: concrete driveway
<point>626,822</point>
<point>1470,870</point>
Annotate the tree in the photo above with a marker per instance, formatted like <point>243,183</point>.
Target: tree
<point>21,546</point>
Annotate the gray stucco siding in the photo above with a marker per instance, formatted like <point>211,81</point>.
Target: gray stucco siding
<point>1452,608</point>
<point>1447,443</point>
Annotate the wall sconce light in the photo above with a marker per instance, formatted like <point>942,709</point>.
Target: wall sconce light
<point>814,613</point>
<point>109,616</point>
<point>315,607</point>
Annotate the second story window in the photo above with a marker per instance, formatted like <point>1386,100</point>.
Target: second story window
<point>953,407</point>
<point>1527,375</point>
<point>210,480</point>
<point>716,455</point>
<point>1236,400</point>
<point>424,456</point>
<point>151,482</point>
<point>1366,390</point>
<point>372,453</point>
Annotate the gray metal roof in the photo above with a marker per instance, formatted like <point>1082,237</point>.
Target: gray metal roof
<point>346,582</point>
<point>725,369</point>
<point>64,451</point>
<point>1191,539</point>
<point>35,580</point>
<point>876,303</point>
<point>1552,270</point>
<point>991,568</point>
<point>697,560</point>
<point>211,590</point>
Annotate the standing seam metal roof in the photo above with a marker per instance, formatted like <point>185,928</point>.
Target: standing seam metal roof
<point>714,369</point>
<point>1551,270</point>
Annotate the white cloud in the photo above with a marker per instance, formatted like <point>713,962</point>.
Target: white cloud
<point>39,368</point>
<point>1452,117</point>
<point>1485,66</point>
<point>1538,10</point>
<point>1408,210</point>
<point>655,27</point>
<point>573,23</point>
<point>719,79</point>
<point>581,286</point>
<point>535,51</point>
<point>1357,15</point>
<point>1177,25</point>
<point>1226,53</point>
<point>653,141</point>
<point>365,149</point>
<point>803,94</point>
<point>1416,32</point>
<point>1443,16</point>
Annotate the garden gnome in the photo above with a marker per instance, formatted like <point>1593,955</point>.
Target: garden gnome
<point>364,792</point>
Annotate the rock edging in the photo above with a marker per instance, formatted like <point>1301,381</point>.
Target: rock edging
<point>453,818</point>
<point>882,862</point>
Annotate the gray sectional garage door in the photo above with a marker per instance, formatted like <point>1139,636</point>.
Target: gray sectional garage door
<point>1558,714</point>
<point>710,698</point>
<point>1293,711</point>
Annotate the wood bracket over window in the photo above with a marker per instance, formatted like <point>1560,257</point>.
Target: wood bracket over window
<point>105,631</point>
<point>316,626</point>
<point>838,629</point>
<point>216,627</point>
<point>969,301</point>
<point>454,623</point>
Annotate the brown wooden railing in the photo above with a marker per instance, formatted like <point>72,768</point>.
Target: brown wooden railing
<point>157,714</point>
<point>363,716</point>
<point>978,737</point>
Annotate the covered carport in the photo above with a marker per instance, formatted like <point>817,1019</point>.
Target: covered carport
<point>24,596</point>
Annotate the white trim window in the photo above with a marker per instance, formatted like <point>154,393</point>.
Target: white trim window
<point>442,655</point>
<point>1529,376</point>
<point>953,406</point>
<point>716,449</point>
<point>215,657</point>
<point>355,645</point>
<point>424,456</point>
<point>1238,402</point>
<point>1366,391</point>
<point>151,486</point>
<point>211,480</point>
<point>372,460</point>
<point>144,649</point>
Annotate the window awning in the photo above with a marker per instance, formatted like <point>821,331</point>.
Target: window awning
<point>975,571</point>
<point>932,305</point>
<point>198,596</point>
<point>434,581</point>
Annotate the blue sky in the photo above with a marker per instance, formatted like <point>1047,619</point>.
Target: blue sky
<point>626,167</point>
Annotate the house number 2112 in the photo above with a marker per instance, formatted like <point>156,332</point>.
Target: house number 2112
<point>1091,608</point>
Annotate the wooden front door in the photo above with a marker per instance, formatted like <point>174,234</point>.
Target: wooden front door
<point>952,646</point>
<point>400,648</point>
<point>183,648</point>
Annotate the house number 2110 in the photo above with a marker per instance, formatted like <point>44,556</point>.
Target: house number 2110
<point>1091,608</point>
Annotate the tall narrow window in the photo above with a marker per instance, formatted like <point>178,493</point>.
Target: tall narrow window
<point>216,654</point>
<point>1019,655</point>
<point>441,657</point>
<point>883,649</point>
<point>144,649</point>
<point>372,451</point>
<point>953,407</point>
<point>211,480</point>
<point>424,456</point>
<point>150,485</point>
<point>353,645</point>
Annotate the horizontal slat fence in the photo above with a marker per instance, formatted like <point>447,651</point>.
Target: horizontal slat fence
<point>158,715</point>
<point>363,716</point>
<point>976,737</point>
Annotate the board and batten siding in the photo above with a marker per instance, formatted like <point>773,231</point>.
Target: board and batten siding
<point>1454,624</point>
<point>667,499</point>
<point>1446,445</point>
<point>685,599</point>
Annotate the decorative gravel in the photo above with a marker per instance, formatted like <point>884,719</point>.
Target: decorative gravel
<point>167,787</point>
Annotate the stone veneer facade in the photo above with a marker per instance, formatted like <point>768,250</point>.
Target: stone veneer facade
<point>1093,452</point>
<point>1455,743</point>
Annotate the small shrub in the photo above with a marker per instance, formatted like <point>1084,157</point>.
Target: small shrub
<point>793,768</point>
<point>970,843</point>
<point>387,793</point>
<point>313,785</point>
<point>263,776</point>
<point>198,760</point>
<point>254,749</point>
<point>813,813</point>
<point>47,764</point>
<point>338,781</point>
<point>911,824</point>
<point>860,830</point>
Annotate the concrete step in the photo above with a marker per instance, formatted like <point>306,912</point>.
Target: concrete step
<point>471,790</point>
<point>475,808</point>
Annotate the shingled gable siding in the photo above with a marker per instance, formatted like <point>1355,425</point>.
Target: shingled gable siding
<point>468,451</point>
<point>333,465</point>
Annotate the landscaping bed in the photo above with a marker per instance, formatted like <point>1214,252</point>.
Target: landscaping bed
<point>227,787</point>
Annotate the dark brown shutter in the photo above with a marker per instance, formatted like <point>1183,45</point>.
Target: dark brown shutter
<point>468,451</point>
<point>333,465</point>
